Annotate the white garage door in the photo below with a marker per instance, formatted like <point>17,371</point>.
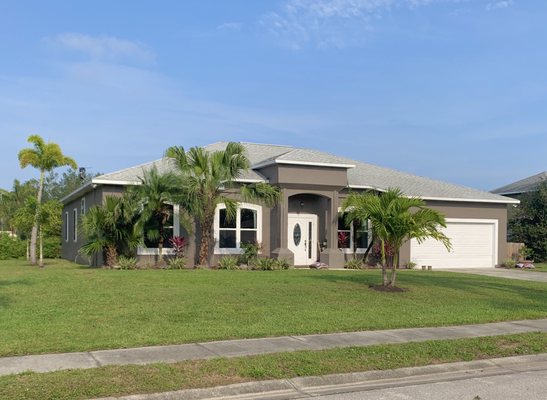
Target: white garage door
<point>474,245</point>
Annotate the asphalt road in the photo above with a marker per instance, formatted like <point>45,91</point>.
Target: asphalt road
<point>518,386</point>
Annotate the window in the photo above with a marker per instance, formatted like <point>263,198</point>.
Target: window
<point>75,224</point>
<point>246,227</point>
<point>352,236</point>
<point>170,229</point>
<point>82,206</point>
<point>66,226</point>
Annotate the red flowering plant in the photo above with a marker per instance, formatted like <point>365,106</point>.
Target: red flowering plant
<point>179,244</point>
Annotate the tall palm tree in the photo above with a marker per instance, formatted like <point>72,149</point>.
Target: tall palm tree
<point>155,194</point>
<point>111,229</point>
<point>394,219</point>
<point>44,157</point>
<point>205,176</point>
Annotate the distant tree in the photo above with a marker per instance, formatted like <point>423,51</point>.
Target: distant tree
<point>12,201</point>
<point>528,223</point>
<point>45,157</point>
<point>57,186</point>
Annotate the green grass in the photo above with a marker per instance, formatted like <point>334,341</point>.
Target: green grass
<point>539,267</point>
<point>65,307</point>
<point>124,380</point>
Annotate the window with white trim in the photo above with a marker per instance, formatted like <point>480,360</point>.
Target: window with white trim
<point>170,230</point>
<point>66,226</point>
<point>352,235</point>
<point>82,206</point>
<point>75,224</point>
<point>246,227</point>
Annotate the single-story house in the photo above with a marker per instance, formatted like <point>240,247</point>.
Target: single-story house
<point>526,185</point>
<point>306,226</point>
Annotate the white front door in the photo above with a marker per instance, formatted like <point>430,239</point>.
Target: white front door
<point>302,238</point>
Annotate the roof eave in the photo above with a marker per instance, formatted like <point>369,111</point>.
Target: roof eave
<point>305,163</point>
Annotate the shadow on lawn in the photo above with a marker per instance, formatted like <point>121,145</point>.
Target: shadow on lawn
<point>5,300</point>
<point>511,292</point>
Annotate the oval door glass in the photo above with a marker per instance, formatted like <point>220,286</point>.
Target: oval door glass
<point>297,234</point>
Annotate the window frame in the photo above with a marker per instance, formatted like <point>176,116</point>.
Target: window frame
<point>238,229</point>
<point>82,206</point>
<point>75,225</point>
<point>349,250</point>
<point>67,227</point>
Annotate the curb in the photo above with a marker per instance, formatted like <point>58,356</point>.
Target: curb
<point>309,387</point>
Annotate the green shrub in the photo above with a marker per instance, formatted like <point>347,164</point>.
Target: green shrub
<point>11,247</point>
<point>281,263</point>
<point>411,265</point>
<point>176,263</point>
<point>52,247</point>
<point>354,263</point>
<point>264,264</point>
<point>250,253</point>
<point>127,262</point>
<point>509,263</point>
<point>228,262</point>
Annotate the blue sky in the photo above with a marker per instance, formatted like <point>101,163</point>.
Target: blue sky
<point>450,89</point>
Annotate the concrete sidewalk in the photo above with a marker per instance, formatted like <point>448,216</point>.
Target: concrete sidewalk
<point>245,347</point>
<point>318,386</point>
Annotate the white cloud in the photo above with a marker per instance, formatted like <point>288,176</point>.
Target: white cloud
<point>497,5</point>
<point>103,48</point>
<point>229,26</point>
<point>339,23</point>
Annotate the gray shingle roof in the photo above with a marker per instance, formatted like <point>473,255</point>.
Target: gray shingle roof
<point>360,175</point>
<point>524,185</point>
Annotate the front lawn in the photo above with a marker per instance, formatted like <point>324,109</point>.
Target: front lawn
<point>65,307</point>
<point>539,267</point>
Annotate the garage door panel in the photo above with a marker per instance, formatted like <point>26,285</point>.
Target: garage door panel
<point>473,245</point>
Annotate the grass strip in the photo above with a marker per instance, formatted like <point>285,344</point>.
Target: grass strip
<point>133,379</point>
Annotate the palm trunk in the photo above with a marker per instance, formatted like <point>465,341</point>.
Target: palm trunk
<point>395,265</point>
<point>34,232</point>
<point>41,263</point>
<point>206,229</point>
<point>111,256</point>
<point>28,249</point>
<point>160,242</point>
<point>384,262</point>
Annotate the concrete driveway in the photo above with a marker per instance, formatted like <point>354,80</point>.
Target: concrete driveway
<point>504,273</point>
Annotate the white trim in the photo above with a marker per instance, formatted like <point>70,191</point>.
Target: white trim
<point>349,250</point>
<point>67,227</point>
<point>251,180</point>
<point>154,251</point>
<point>216,228</point>
<point>508,201</point>
<point>494,222</point>
<point>75,225</point>
<point>82,206</point>
<point>73,194</point>
<point>115,182</point>
<point>310,163</point>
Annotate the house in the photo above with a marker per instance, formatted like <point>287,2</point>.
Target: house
<point>306,225</point>
<point>518,188</point>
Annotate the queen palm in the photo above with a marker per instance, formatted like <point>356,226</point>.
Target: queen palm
<point>111,229</point>
<point>44,157</point>
<point>155,195</point>
<point>204,179</point>
<point>394,219</point>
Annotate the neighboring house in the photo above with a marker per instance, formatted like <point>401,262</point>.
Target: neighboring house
<point>516,189</point>
<point>306,225</point>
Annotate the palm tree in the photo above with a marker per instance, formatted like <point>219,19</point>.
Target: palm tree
<point>204,178</point>
<point>45,157</point>
<point>111,229</point>
<point>394,219</point>
<point>155,195</point>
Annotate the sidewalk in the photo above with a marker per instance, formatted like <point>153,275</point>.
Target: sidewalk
<point>318,386</point>
<point>245,347</point>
